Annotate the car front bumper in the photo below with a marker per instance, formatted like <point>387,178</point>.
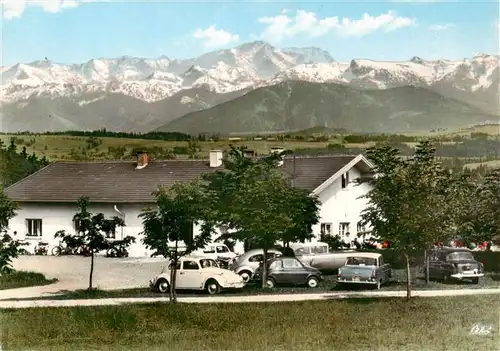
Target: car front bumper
<point>235,285</point>
<point>462,276</point>
<point>360,281</point>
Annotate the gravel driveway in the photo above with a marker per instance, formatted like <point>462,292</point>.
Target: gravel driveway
<point>72,272</point>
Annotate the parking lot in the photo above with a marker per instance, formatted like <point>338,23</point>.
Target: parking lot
<point>109,273</point>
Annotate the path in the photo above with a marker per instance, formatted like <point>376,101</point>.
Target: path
<point>246,299</point>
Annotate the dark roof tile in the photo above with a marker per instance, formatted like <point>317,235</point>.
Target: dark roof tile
<point>120,182</point>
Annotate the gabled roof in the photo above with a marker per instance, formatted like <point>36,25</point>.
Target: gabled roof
<point>120,182</point>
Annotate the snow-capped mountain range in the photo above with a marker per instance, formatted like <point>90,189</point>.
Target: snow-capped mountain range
<point>250,65</point>
<point>141,94</point>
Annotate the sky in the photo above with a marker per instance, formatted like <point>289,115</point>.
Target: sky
<point>75,31</point>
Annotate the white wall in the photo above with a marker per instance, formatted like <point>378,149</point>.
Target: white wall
<point>57,217</point>
<point>343,205</point>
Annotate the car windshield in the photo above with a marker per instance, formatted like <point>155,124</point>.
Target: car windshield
<point>302,251</point>
<point>458,256</point>
<point>361,261</point>
<point>206,262</point>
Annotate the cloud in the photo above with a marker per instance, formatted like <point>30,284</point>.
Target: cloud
<point>215,37</point>
<point>282,25</point>
<point>15,8</point>
<point>442,27</point>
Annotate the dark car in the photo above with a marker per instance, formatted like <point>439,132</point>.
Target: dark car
<point>289,271</point>
<point>454,263</point>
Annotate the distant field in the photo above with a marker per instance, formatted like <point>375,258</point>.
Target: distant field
<point>54,147</point>
<point>491,164</point>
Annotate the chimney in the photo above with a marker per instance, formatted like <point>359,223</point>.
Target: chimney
<point>215,158</point>
<point>278,150</point>
<point>142,159</point>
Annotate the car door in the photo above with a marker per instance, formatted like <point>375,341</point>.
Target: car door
<point>293,271</point>
<point>275,270</point>
<point>189,276</point>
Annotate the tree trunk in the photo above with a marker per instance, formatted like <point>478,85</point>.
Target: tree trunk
<point>173,275</point>
<point>91,268</point>
<point>408,277</point>
<point>264,269</point>
<point>426,258</point>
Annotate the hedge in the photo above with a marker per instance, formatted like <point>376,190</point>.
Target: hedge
<point>490,259</point>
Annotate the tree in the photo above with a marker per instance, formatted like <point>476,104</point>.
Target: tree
<point>177,210</point>
<point>256,201</point>
<point>407,205</point>
<point>9,248</point>
<point>92,230</point>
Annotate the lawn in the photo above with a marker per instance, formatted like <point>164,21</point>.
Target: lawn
<point>357,324</point>
<point>22,279</point>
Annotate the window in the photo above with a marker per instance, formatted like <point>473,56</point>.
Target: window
<point>190,265</point>
<point>222,249</point>
<point>344,229</point>
<point>76,226</point>
<point>33,227</point>
<point>320,249</point>
<point>361,261</point>
<point>209,250</point>
<point>205,263</point>
<point>326,228</point>
<point>361,227</point>
<point>302,251</point>
<point>345,179</point>
<point>291,263</point>
<point>276,265</point>
<point>111,234</point>
<point>170,266</point>
<point>256,258</point>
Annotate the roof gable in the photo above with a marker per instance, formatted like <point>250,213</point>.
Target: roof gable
<point>120,182</point>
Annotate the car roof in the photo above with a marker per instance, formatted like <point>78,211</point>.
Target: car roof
<point>258,251</point>
<point>451,249</point>
<point>365,254</point>
<point>195,257</point>
<point>299,245</point>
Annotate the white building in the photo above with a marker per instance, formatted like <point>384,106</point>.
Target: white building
<point>47,198</point>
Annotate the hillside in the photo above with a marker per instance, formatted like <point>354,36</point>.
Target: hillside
<point>298,105</point>
<point>113,111</point>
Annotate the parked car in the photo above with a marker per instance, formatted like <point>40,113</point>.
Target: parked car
<point>220,253</point>
<point>365,268</point>
<point>289,271</point>
<point>454,262</point>
<point>246,264</point>
<point>318,255</point>
<point>197,273</point>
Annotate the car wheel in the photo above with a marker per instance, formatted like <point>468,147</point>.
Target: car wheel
<point>475,280</point>
<point>246,275</point>
<point>270,283</point>
<point>212,287</point>
<point>312,282</point>
<point>162,286</point>
<point>56,251</point>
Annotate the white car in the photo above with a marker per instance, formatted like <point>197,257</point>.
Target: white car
<point>197,273</point>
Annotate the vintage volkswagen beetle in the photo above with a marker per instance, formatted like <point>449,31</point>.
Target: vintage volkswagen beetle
<point>197,273</point>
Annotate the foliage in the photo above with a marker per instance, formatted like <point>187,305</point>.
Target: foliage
<point>92,230</point>
<point>407,205</point>
<point>17,165</point>
<point>168,229</point>
<point>22,279</point>
<point>9,248</point>
<point>256,201</point>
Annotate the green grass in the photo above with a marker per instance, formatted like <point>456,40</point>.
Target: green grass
<point>359,324</point>
<point>22,279</point>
